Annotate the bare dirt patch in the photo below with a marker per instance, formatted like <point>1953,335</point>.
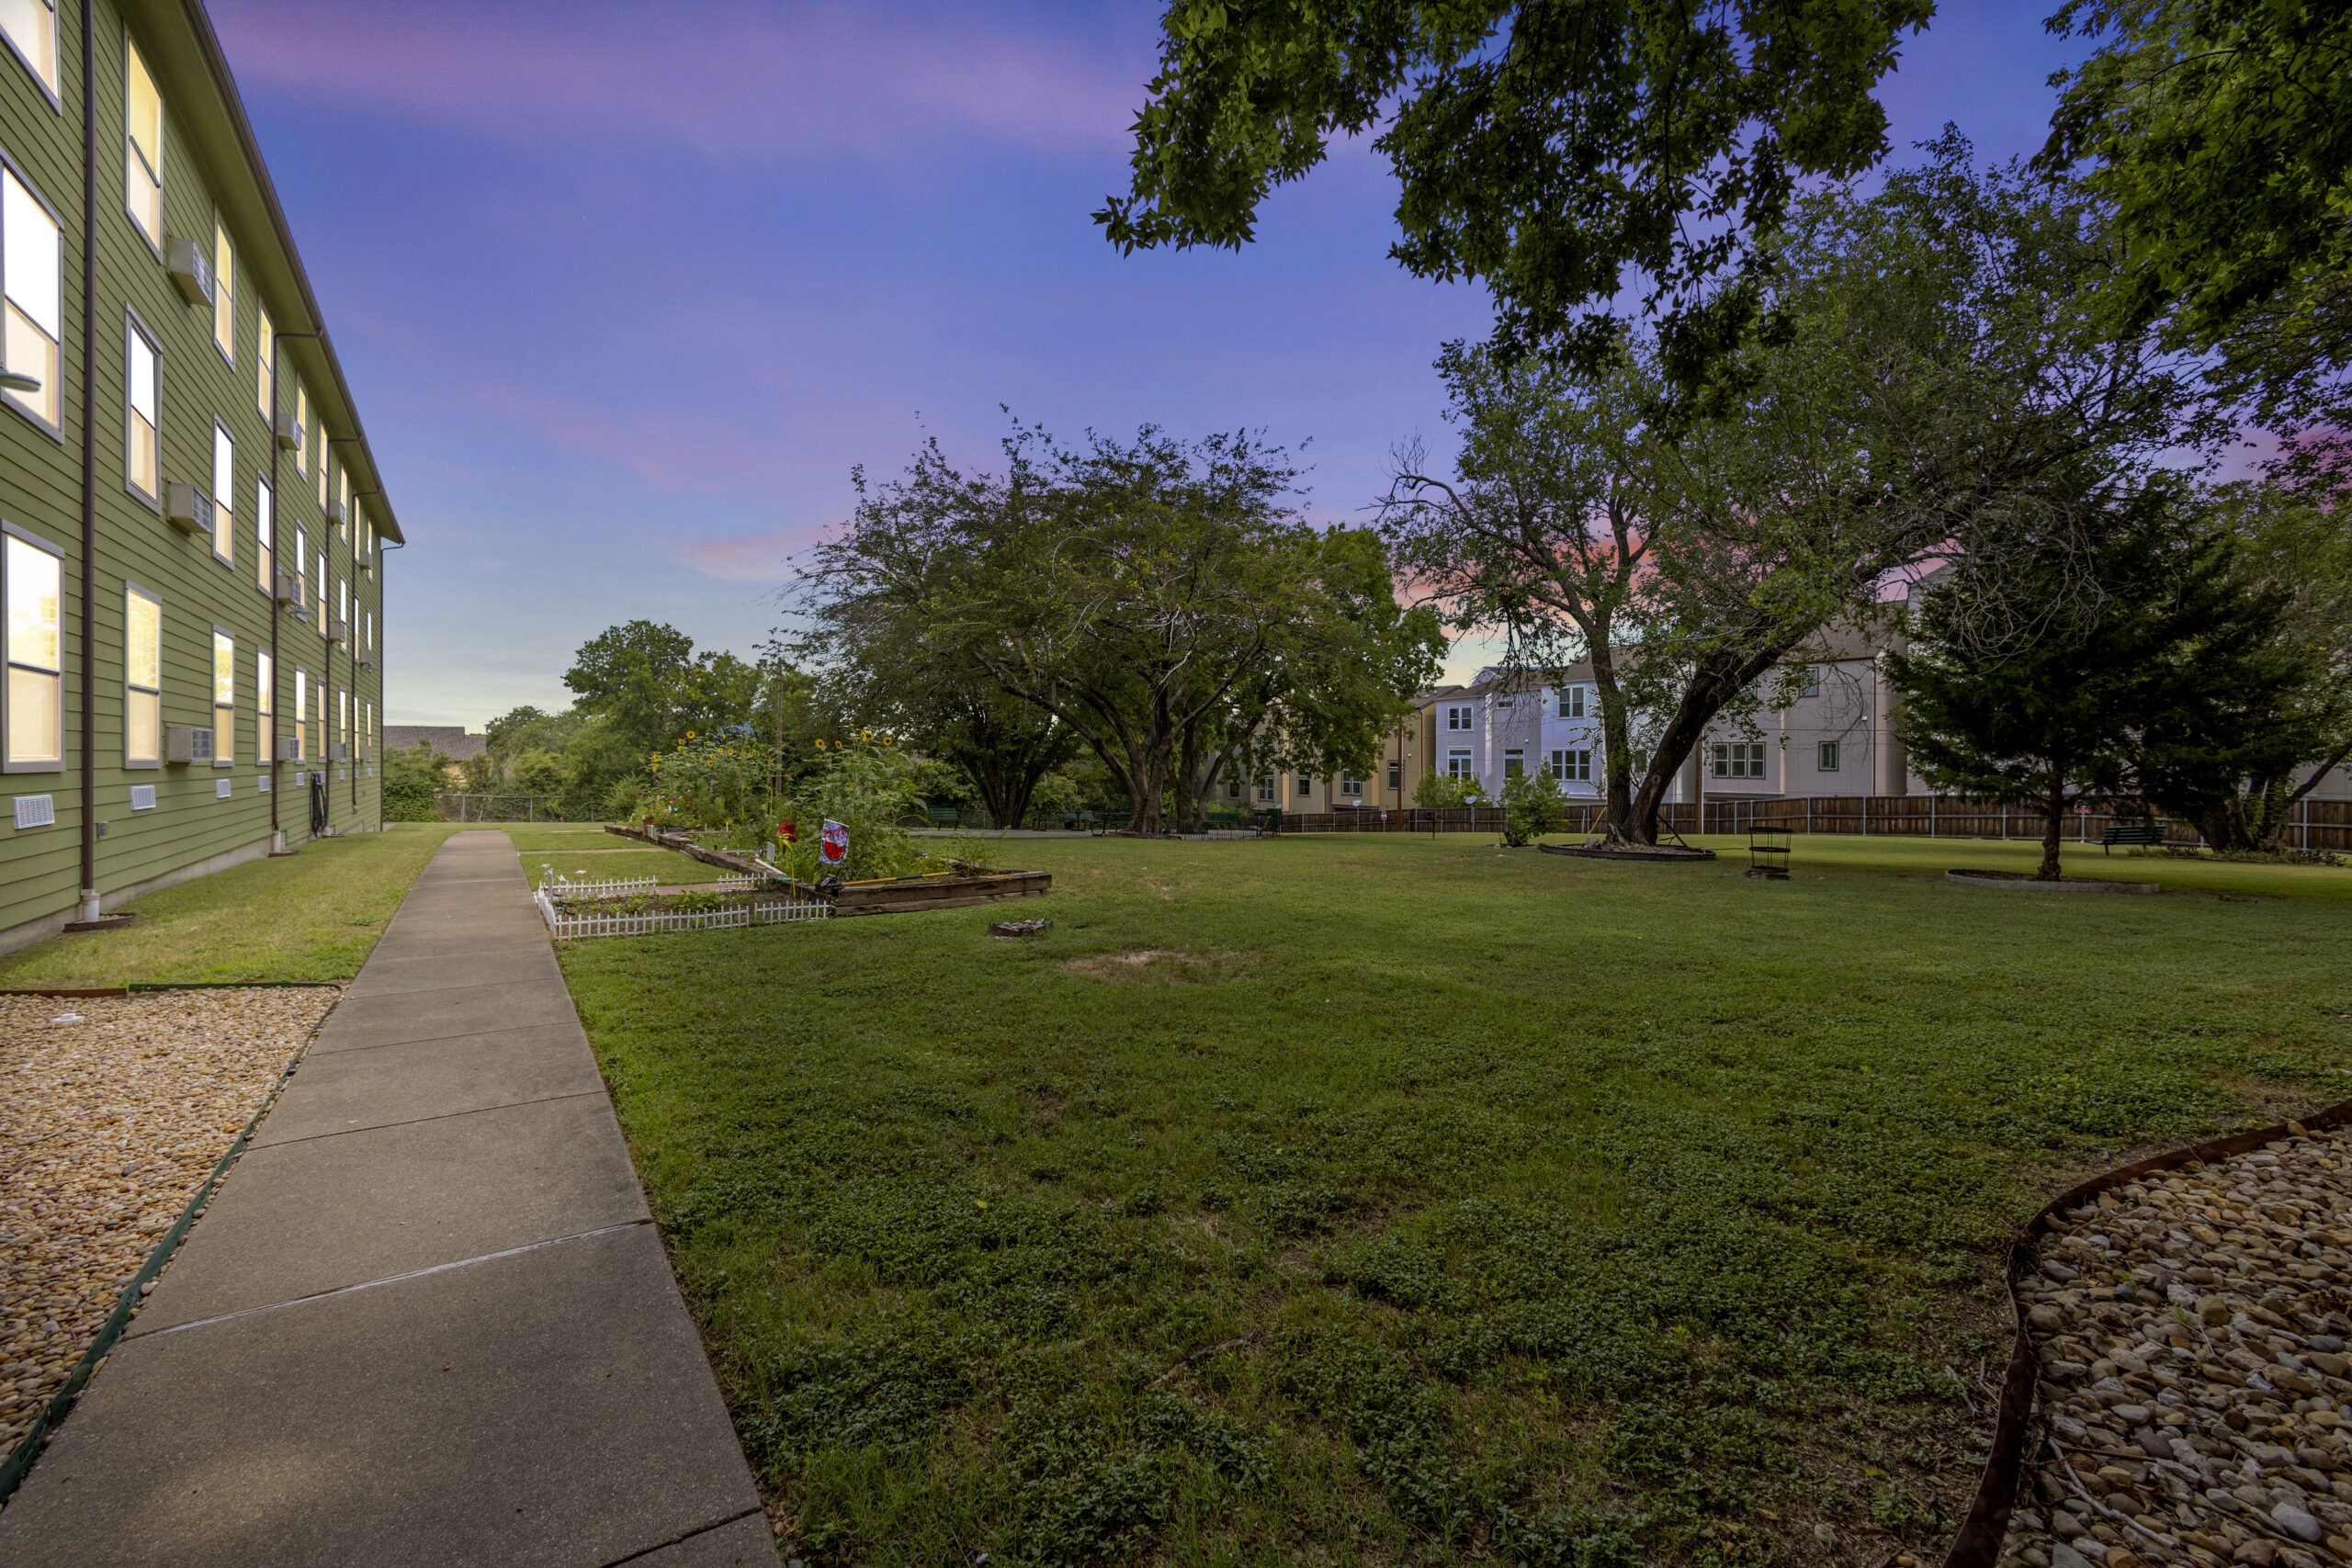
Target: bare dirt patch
<point>1156,965</point>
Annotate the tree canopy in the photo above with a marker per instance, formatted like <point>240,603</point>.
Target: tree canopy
<point>1547,149</point>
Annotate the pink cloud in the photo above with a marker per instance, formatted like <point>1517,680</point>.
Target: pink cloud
<point>755,557</point>
<point>729,82</point>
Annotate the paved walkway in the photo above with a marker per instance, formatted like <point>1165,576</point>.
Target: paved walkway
<point>428,1319</point>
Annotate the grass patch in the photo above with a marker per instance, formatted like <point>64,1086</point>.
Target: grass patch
<point>311,916</point>
<point>1459,1204</point>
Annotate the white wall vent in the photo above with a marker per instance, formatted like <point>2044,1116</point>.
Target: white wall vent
<point>36,811</point>
<point>142,798</point>
<point>220,789</point>
<point>265,784</point>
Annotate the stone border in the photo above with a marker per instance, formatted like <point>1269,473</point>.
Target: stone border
<point>2001,882</point>
<point>1978,1543</point>
<point>1660,856</point>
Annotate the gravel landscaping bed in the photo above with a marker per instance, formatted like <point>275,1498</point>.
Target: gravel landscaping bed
<point>113,1110</point>
<point>2194,1403</point>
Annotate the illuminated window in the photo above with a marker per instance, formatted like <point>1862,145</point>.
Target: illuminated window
<point>31,29</point>
<point>265,366</point>
<point>29,270</point>
<point>323,488</point>
<point>140,454</point>
<point>343,524</point>
<point>319,589</point>
<point>36,717</point>
<point>265,529</point>
<point>224,495</point>
<point>224,698</point>
<point>302,714</point>
<point>143,679</point>
<point>265,693</point>
<point>224,296</point>
<point>302,428</point>
<point>144,138</point>
<point>302,554</point>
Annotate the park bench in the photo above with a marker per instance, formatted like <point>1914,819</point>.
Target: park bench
<point>944,815</point>
<point>1073,821</point>
<point>2132,833</point>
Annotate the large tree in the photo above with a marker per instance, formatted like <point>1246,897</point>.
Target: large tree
<point>2165,688</point>
<point>648,684</point>
<point>1549,148</point>
<point>1142,593</point>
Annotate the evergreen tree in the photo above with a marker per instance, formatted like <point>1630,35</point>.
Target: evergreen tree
<point>2162,686</point>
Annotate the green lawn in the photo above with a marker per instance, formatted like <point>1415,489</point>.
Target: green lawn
<point>311,916</point>
<point>1564,1212</point>
<point>609,856</point>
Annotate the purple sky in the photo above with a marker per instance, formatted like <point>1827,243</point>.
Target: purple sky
<point>624,291</point>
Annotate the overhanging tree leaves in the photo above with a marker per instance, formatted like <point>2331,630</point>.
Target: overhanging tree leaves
<point>1545,147</point>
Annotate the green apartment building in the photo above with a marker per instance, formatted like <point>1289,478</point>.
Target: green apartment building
<point>193,557</point>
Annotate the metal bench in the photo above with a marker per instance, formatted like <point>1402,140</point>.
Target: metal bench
<point>945,816</point>
<point>2130,833</point>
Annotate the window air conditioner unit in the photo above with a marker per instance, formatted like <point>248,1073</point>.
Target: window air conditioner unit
<point>289,431</point>
<point>191,271</point>
<point>289,748</point>
<point>188,508</point>
<point>338,631</point>
<point>187,743</point>
<point>338,751</point>
<point>289,589</point>
<point>335,512</point>
<point>365,659</point>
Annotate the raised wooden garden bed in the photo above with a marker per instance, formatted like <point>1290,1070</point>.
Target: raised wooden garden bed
<point>896,896</point>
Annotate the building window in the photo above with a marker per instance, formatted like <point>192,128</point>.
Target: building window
<point>343,495</point>
<point>343,603</point>
<point>1514,763</point>
<point>323,488</point>
<point>141,457</point>
<point>1396,773</point>
<point>264,702</point>
<point>1350,786</point>
<point>143,679</point>
<point>1809,683</point>
<point>1572,701</point>
<point>224,698</point>
<point>1825,756</point>
<point>302,428</point>
<point>265,531</point>
<point>1457,765</point>
<point>1572,765</point>
<point>224,496</point>
<point>1739,760</point>
<point>142,116</point>
<point>224,293</point>
<point>1266,786</point>
<point>1457,718</point>
<point>266,366</point>
<point>319,589</point>
<point>31,29</point>
<point>36,718</point>
<point>1232,780</point>
<point>368,642</point>
<point>28,271</point>
<point>1305,785</point>
<point>301,553</point>
<point>301,712</point>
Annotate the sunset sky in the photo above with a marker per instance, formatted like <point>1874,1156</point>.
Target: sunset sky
<point>625,291</point>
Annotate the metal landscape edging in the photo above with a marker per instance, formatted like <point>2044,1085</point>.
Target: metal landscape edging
<point>1978,1544</point>
<point>20,1458</point>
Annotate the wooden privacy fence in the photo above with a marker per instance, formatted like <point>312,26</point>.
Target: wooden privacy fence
<point>2311,825</point>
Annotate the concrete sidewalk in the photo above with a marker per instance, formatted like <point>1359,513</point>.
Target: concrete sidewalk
<point>426,1319</point>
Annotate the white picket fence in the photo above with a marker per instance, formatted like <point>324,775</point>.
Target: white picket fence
<point>562,889</point>
<point>566,920</point>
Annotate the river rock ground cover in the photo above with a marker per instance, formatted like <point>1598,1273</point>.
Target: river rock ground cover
<point>113,1110</point>
<point>2190,1329</point>
<point>1417,1202</point>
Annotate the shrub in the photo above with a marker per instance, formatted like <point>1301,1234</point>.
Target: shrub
<point>410,776</point>
<point>1437,792</point>
<point>1532,807</point>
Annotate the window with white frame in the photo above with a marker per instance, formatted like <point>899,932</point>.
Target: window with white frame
<point>343,721</point>
<point>302,428</point>
<point>1572,702</point>
<point>265,704</point>
<point>29,271</point>
<point>36,697</point>
<point>1514,763</point>
<point>142,678</point>
<point>302,554</point>
<point>342,602</point>
<point>324,488</point>
<point>1352,787</point>
<point>265,538</point>
<point>1824,757</point>
<point>1739,760</point>
<point>302,714</point>
<point>1571,764</point>
<point>1457,718</point>
<point>143,114</point>
<point>224,495</point>
<point>1305,785</point>
<point>1809,683</point>
<point>1457,765</point>
<point>30,27</point>
<point>141,457</point>
<point>224,699</point>
<point>319,587</point>
<point>1266,786</point>
<point>342,527</point>
<point>224,293</point>
<point>264,365</point>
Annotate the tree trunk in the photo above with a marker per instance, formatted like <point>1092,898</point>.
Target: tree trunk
<point>2054,818</point>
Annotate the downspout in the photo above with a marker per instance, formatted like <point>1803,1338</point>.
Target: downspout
<point>89,471</point>
<point>383,602</point>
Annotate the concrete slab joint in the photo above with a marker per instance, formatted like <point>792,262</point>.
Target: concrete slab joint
<point>427,1318</point>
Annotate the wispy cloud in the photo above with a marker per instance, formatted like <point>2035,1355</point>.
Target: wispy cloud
<point>762,83</point>
<point>756,557</point>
